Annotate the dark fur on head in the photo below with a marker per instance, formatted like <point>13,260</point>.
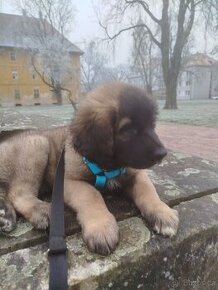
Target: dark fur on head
<point>115,127</point>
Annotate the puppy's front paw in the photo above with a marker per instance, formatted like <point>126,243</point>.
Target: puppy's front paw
<point>163,219</point>
<point>7,217</point>
<point>101,234</point>
<point>40,215</point>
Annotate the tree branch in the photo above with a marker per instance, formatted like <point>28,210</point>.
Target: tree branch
<point>41,75</point>
<point>146,8</point>
<point>130,28</point>
<point>52,86</point>
<point>191,19</point>
<point>198,2</point>
<point>70,97</point>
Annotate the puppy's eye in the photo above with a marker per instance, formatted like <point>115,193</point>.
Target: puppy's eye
<point>132,131</point>
<point>128,129</point>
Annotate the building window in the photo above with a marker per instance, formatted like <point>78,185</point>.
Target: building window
<point>187,93</point>
<point>17,94</point>
<point>188,75</point>
<point>188,83</point>
<point>33,76</point>
<point>36,94</point>
<point>14,75</point>
<point>13,55</point>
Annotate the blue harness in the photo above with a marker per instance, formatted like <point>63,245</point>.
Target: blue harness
<point>101,175</point>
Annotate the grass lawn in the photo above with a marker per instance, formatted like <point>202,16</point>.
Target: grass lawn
<point>199,113</point>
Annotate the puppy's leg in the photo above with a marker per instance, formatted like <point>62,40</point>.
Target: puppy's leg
<point>99,227</point>
<point>24,187</point>
<point>7,213</point>
<point>159,216</point>
<point>23,196</point>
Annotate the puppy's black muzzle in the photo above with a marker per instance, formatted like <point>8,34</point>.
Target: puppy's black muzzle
<point>158,151</point>
<point>159,154</point>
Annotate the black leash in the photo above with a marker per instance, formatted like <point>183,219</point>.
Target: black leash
<point>57,251</point>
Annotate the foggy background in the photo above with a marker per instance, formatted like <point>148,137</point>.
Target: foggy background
<point>85,27</point>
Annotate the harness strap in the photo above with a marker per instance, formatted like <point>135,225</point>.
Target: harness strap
<point>101,175</point>
<point>57,252</point>
<point>100,181</point>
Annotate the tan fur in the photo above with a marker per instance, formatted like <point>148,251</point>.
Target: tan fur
<point>123,122</point>
<point>30,159</point>
<point>163,219</point>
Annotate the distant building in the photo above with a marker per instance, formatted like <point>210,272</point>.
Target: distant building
<point>19,84</point>
<point>198,78</point>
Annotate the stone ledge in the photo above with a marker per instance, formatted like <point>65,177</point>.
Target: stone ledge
<point>141,261</point>
<point>178,178</point>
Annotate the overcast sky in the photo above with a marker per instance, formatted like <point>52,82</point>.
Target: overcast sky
<point>85,28</point>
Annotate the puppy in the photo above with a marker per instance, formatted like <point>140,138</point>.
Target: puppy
<point>114,129</point>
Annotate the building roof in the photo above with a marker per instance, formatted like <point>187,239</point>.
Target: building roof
<point>12,32</point>
<point>199,59</point>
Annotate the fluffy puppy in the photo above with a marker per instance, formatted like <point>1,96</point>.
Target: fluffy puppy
<point>113,127</point>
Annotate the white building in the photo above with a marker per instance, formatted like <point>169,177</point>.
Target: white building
<point>198,78</point>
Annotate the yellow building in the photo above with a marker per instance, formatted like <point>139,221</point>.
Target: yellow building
<point>19,83</point>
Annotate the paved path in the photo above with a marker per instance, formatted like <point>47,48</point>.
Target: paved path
<point>194,140</point>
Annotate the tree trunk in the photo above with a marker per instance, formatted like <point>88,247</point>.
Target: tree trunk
<point>149,90</point>
<point>168,67</point>
<point>170,76</point>
<point>58,95</point>
<point>171,95</point>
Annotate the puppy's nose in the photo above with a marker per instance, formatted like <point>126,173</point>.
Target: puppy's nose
<point>160,153</point>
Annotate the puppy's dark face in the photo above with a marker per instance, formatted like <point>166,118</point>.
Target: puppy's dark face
<point>135,143</point>
<point>116,130</point>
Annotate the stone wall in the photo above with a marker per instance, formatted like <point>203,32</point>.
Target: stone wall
<point>142,259</point>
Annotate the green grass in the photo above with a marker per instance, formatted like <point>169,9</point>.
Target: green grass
<point>198,113</point>
<point>62,112</point>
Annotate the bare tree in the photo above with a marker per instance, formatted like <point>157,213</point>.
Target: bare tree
<point>212,22</point>
<point>47,22</point>
<point>95,69</point>
<point>146,61</point>
<point>92,66</point>
<point>172,37</point>
<point>120,73</point>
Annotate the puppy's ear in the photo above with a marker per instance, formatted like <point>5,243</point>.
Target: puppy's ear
<point>92,132</point>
